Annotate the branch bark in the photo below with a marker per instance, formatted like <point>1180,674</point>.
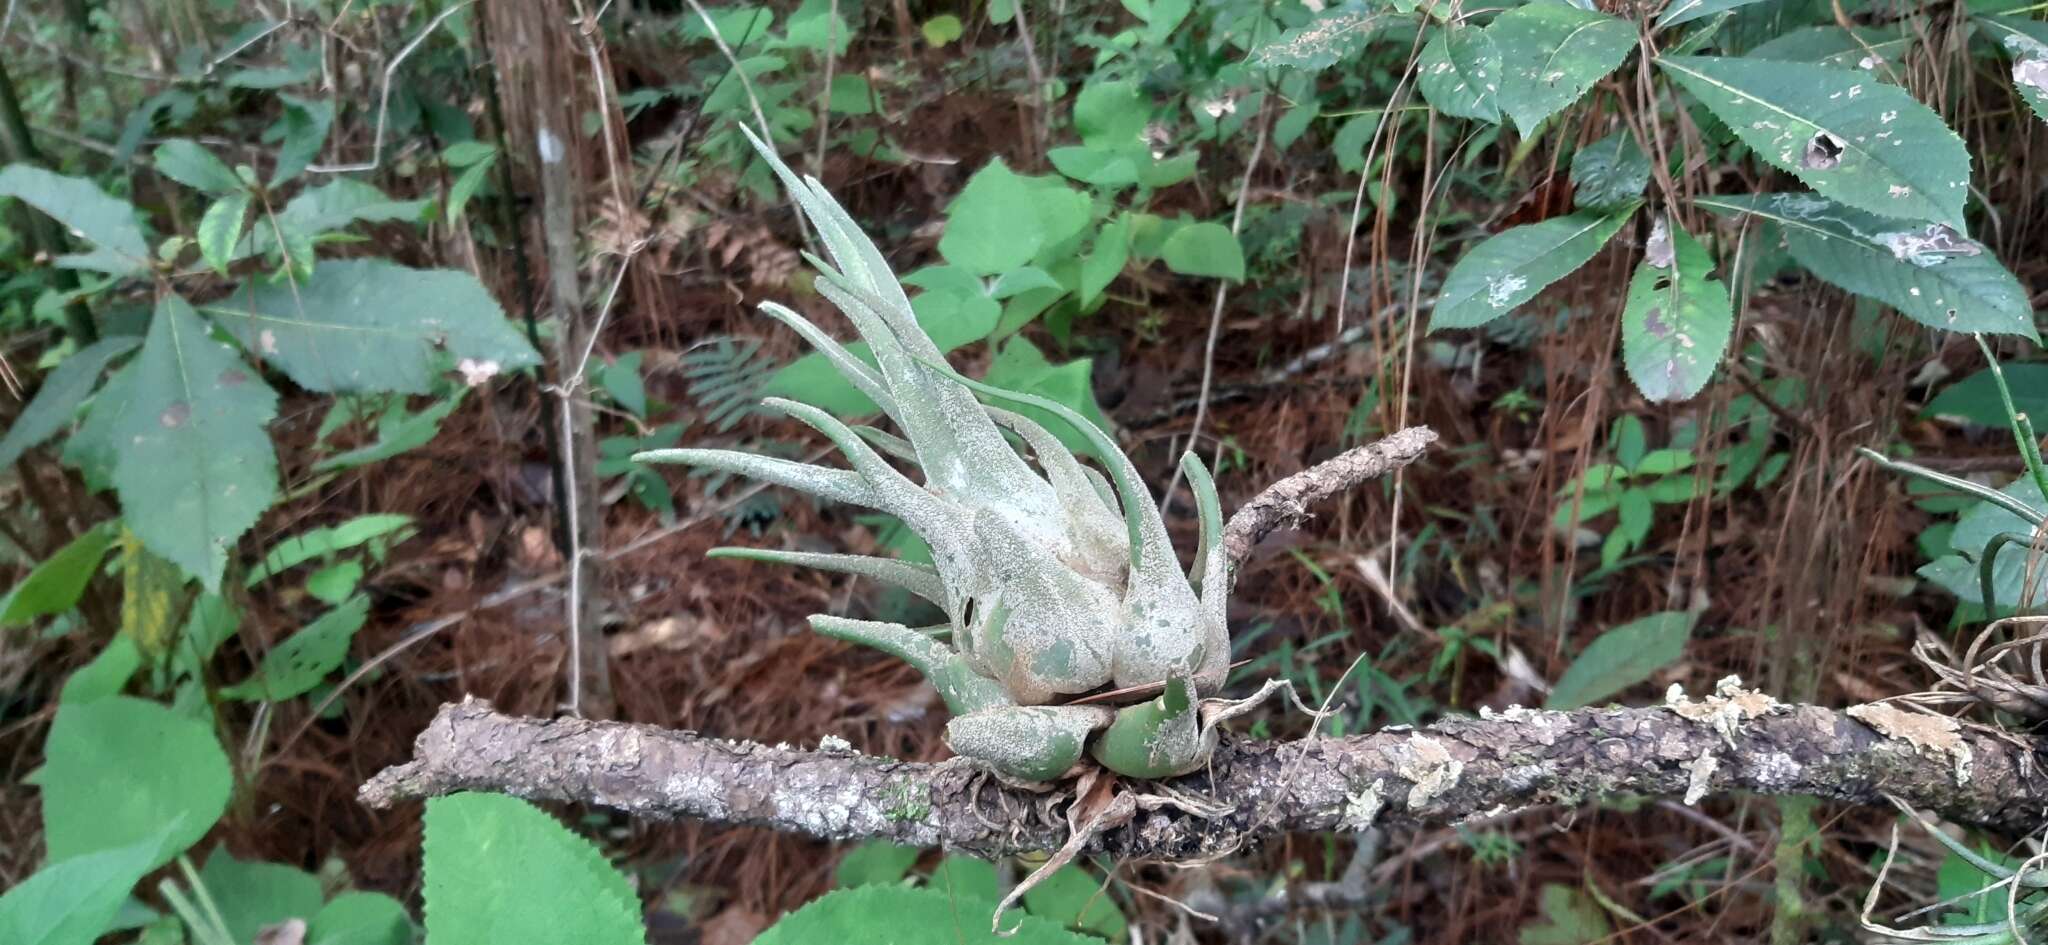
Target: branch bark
<point>1446,772</point>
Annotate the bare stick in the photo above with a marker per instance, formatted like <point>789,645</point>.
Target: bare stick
<point>1286,503</point>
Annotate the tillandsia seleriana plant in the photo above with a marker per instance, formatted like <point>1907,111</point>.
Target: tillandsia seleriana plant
<point>1055,580</point>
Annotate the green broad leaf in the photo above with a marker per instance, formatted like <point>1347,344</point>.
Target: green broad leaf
<point>360,918</point>
<point>1332,36</point>
<point>1460,74</point>
<point>117,770</point>
<point>252,894</point>
<point>948,316</point>
<point>1349,143</point>
<point>852,95</point>
<point>1836,47</point>
<point>1554,52</point>
<point>1609,172</point>
<point>55,585</point>
<point>942,29</point>
<point>1111,116</point>
<point>1570,918</point>
<point>333,584</point>
<point>563,884</point>
<point>468,153</point>
<point>1928,271</point>
<point>1851,138</point>
<point>1973,533</point>
<point>622,382</point>
<point>1097,166</point>
<point>1634,514</point>
<point>1677,320</point>
<point>107,674</point>
<point>339,203</point>
<point>1105,260</point>
<point>902,915</point>
<point>1021,280</point>
<point>2026,41</point>
<point>303,129</point>
<point>1511,267</point>
<point>74,901</point>
<point>108,223</point>
<point>994,225</point>
<point>397,433</point>
<point>50,410</point>
<point>1204,249</point>
<point>1073,897</point>
<point>194,467</point>
<point>876,861</point>
<point>1975,398</point>
<point>305,658</point>
<point>221,228</point>
<point>1686,11</point>
<point>1021,367</point>
<point>195,167</point>
<point>360,325</point>
<point>966,877</point>
<point>471,180</point>
<point>1622,657</point>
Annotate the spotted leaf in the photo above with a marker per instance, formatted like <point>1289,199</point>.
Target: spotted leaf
<point>1676,324</point>
<point>1510,267</point>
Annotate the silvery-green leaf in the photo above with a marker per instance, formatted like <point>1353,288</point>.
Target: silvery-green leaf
<point>1510,267</point>
<point>1677,321</point>
<point>1834,46</point>
<point>221,228</point>
<point>1329,38</point>
<point>88,212</point>
<point>1459,74</point>
<point>1927,271</point>
<point>66,387</point>
<point>1686,11</point>
<point>1851,138</point>
<point>1609,172</point>
<point>2026,41</point>
<point>1553,53</point>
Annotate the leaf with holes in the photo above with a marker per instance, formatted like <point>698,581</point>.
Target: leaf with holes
<point>2027,42</point>
<point>88,212</point>
<point>360,325</point>
<point>1865,48</point>
<point>1851,138</point>
<point>194,467</point>
<point>1510,267</point>
<point>1460,73</point>
<point>1554,52</point>
<point>1927,271</point>
<point>1677,320</point>
<point>306,657</point>
<point>1332,36</point>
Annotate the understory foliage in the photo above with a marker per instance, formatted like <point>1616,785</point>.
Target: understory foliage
<point>253,259</point>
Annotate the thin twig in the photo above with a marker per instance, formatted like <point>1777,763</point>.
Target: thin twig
<point>384,97</point>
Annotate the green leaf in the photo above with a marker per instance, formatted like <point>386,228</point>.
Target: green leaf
<point>942,29</point>
<point>83,208</point>
<point>1204,249</point>
<point>195,167</point>
<point>373,325</point>
<point>1512,266</point>
<point>1554,52</point>
<point>993,226</point>
<point>334,205</point>
<point>334,583</point>
<point>252,893</point>
<point>66,387</point>
<point>1678,318</point>
<point>966,877</point>
<point>1975,398</point>
<point>1929,272</point>
<point>194,467</point>
<point>303,129</point>
<point>1686,11</point>
<point>1851,138</point>
<point>320,542</point>
<point>1460,74</point>
<point>1837,47</point>
<point>74,901</point>
<point>396,433</point>
<point>306,657</point>
<point>1105,260</point>
<point>563,884</point>
<point>1973,532</point>
<point>1074,898</point>
<point>360,918</point>
<point>900,915</point>
<point>1021,367</point>
<point>1098,166</point>
<point>1609,172</point>
<point>1332,36</point>
<point>221,228</point>
<point>1622,657</point>
<point>876,861</point>
<point>2026,41</point>
<point>1571,918</point>
<point>471,180</point>
<point>55,585</point>
<point>117,770</point>
<point>1111,116</point>
<point>468,153</point>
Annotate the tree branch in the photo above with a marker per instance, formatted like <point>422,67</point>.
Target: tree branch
<point>1286,503</point>
<point>1446,772</point>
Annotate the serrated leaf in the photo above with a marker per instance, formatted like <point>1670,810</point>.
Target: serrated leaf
<point>1460,73</point>
<point>117,770</point>
<point>360,325</point>
<point>563,884</point>
<point>54,586</point>
<point>221,228</point>
<point>1837,47</point>
<point>2026,42</point>
<point>88,212</point>
<point>1609,172</point>
<point>1928,272</point>
<point>194,467</point>
<point>59,396</point>
<point>1634,514</point>
<point>1332,36</point>
<point>1851,138</point>
<point>1553,53</point>
<point>74,901</point>
<point>1677,321</point>
<point>1204,249</point>
<point>1511,267</point>
<point>1686,11</point>
<point>1622,657</point>
<point>192,165</point>
<point>902,915</point>
<point>305,658</point>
